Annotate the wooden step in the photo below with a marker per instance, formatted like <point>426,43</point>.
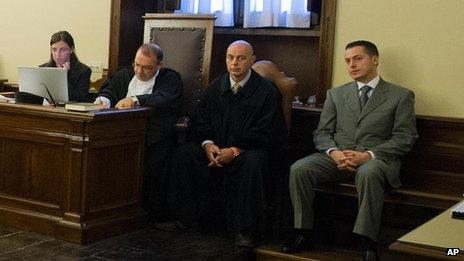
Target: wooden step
<point>272,252</point>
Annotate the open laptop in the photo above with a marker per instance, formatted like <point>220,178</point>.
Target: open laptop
<point>50,83</point>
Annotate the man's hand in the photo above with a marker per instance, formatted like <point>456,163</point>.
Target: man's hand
<point>357,157</point>
<point>103,104</point>
<point>226,156</point>
<point>342,160</point>
<point>213,153</point>
<point>125,103</point>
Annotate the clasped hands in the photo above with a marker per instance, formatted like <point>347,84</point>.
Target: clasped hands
<point>218,157</point>
<point>349,159</point>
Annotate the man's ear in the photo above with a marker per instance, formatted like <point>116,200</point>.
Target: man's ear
<point>376,59</point>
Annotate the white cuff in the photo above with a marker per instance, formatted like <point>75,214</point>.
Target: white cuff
<point>371,153</point>
<point>329,150</point>
<point>103,99</point>
<point>206,142</point>
<point>135,100</point>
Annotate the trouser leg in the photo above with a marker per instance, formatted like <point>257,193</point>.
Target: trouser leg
<point>370,184</point>
<point>314,169</point>
<point>244,189</point>
<point>188,182</point>
<point>154,178</point>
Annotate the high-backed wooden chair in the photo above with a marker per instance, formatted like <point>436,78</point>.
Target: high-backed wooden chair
<point>287,85</point>
<point>186,41</point>
<point>277,209</point>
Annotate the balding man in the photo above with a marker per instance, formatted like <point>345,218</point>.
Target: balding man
<point>237,128</point>
<point>147,83</point>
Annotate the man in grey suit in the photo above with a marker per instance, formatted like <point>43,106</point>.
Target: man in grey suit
<point>365,128</point>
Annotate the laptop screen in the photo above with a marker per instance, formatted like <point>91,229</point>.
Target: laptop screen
<point>37,80</point>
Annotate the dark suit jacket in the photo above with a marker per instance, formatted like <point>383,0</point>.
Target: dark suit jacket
<point>386,126</point>
<point>78,81</point>
<point>164,99</point>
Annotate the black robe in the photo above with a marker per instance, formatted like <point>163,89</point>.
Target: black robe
<point>78,81</point>
<point>164,99</point>
<point>251,120</point>
<point>160,142</point>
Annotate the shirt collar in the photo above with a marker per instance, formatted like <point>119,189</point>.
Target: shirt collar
<point>373,83</point>
<point>242,82</point>
<point>152,79</point>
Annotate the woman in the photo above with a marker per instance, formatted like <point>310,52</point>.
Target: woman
<point>63,55</point>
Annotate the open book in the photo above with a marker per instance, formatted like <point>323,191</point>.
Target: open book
<point>82,106</point>
<point>6,99</point>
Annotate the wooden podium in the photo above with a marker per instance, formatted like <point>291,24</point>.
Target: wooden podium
<point>74,176</point>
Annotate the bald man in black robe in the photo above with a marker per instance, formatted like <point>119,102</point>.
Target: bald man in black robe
<point>238,127</point>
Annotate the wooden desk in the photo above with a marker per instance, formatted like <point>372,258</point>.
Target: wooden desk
<point>433,238</point>
<point>75,176</point>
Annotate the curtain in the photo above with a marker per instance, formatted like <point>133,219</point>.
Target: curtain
<point>276,13</point>
<point>223,9</point>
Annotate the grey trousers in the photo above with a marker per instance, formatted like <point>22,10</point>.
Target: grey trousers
<point>319,168</point>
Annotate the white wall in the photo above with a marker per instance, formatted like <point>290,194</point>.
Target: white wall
<point>27,25</point>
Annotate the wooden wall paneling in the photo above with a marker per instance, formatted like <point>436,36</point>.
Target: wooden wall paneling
<point>304,54</point>
<point>126,30</point>
<point>295,55</point>
<point>326,47</point>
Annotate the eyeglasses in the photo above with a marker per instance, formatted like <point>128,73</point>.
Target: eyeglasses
<point>61,50</point>
<point>144,68</point>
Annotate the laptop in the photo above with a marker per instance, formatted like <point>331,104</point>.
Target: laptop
<point>49,83</point>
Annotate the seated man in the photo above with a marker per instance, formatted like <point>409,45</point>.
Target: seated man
<point>365,128</point>
<point>237,127</point>
<point>149,84</point>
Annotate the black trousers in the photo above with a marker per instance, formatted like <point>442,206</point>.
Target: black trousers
<point>155,180</point>
<point>193,185</point>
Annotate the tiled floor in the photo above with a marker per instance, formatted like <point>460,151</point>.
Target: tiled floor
<point>152,244</point>
<point>144,244</point>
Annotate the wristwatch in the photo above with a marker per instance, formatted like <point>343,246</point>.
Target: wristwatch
<point>135,100</point>
<point>235,151</point>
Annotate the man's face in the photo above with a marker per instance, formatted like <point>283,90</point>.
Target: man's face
<point>145,67</point>
<point>61,52</point>
<point>239,59</point>
<point>361,66</point>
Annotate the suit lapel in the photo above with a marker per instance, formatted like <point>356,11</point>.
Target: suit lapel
<point>352,98</point>
<point>379,96</point>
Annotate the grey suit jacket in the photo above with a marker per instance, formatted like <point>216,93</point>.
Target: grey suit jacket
<point>386,126</point>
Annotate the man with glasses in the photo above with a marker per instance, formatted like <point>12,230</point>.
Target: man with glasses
<point>147,83</point>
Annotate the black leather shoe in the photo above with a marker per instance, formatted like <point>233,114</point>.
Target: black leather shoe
<point>244,240</point>
<point>370,256</point>
<point>300,244</point>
